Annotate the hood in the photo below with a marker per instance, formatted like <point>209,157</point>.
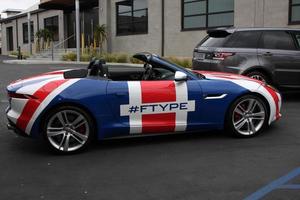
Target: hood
<point>35,80</point>
<point>227,76</point>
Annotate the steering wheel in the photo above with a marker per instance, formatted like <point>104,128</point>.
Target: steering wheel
<point>148,72</point>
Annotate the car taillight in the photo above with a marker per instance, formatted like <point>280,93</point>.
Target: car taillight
<point>221,55</point>
<point>20,96</point>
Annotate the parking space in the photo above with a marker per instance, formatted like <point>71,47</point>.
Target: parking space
<point>192,166</point>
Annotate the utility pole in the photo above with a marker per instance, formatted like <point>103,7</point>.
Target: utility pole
<point>77,8</point>
<point>29,33</point>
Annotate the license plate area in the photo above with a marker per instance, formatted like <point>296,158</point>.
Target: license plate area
<point>199,56</point>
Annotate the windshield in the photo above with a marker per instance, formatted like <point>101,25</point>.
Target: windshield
<point>200,76</point>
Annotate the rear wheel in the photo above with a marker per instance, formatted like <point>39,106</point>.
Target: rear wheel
<point>68,129</point>
<point>247,116</point>
<point>259,76</point>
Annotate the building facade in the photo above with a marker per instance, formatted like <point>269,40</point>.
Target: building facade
<point>164,27</point>
<point>4,14</point>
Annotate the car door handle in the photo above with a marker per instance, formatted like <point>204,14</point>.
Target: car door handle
<point>268,54</point>
<point>121,94</point>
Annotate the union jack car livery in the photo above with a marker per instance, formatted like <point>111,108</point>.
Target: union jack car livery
<point>71,107</point>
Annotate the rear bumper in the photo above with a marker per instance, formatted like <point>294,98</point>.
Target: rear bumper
<point>11,126</point>
<point>215,65</point>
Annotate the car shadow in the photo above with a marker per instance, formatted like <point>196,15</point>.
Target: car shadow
<point>291,96</point>
<point>39,148</point>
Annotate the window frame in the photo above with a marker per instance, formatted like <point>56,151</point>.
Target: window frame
<point>52,19</point>
<point>297,43</point>
<point>131,21</point>
<point>26,32</point>
<point>291,5</point>
<point>206,14</point>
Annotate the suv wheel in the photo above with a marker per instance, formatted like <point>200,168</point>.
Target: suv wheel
<point>259,76</point>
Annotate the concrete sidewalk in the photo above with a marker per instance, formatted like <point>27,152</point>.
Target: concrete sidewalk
<point>41,62</point>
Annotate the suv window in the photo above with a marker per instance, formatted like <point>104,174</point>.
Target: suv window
<point>244,39</point>
<point>277,40</point>
<point>213,41</point>
<point>239,39</point>
<point>297,37</point>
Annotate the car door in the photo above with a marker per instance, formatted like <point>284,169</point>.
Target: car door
<point>143,107</point>
<point>279,54</point>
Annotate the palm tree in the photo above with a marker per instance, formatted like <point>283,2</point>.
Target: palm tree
<point>47,36</point>
<point>100,34</point>
<point>38,35</point>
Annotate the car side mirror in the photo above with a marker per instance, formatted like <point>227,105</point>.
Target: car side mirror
<point>180,76</point>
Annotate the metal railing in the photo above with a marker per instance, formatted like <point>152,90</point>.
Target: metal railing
<point>59,44</point>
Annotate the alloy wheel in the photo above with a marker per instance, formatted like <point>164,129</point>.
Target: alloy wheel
<point>68,130</point>
<point>258,77</point>
<point>248,116</point>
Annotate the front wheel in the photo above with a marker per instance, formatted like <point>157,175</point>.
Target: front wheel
<point>68,129</point>
<point>247,116</point>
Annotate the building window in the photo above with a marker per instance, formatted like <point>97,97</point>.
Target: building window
<point>132,17</point>
<point>202,14</point>
<point>294,17</point>
<point>51,24</point>
<point>25,32</point>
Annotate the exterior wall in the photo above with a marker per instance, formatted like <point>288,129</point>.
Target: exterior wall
<point>0,36</point>
<point>4,36</point>
<point>177,42</point>
<point>19,22</point>
<point>131,44</point>
<point>262,13</point>
<point>52,13</point>
<point>247,13</point>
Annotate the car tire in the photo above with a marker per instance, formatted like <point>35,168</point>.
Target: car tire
<point>247,116</point>
<point>259,76</point>
<point>68,129</point>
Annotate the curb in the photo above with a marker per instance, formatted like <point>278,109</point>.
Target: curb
<point>35,62</point>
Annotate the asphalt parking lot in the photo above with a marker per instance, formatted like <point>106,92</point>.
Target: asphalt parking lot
<point>199,166</point>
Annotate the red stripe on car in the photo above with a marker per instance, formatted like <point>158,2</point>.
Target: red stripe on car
<point>158,91</point>
<point>276,100</point>
<point>32,104</point>
<point>159,123</point>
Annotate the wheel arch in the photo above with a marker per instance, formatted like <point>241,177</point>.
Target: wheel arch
<point>248,93</point>
<point>261,70</point>
<point>74,104</point>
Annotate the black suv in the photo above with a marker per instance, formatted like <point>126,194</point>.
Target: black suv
<point>268,54</point>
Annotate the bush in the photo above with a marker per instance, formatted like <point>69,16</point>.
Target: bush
<point>114,58</point>
<point>71,56</point>
<point>14,53</point>
<point>86,57</point>
<point>183,62</point>
<point>135,61</point>
<point>122,58</point>
<point>25,55</point>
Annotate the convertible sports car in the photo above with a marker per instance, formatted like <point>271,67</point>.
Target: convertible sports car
<point>72,107</point>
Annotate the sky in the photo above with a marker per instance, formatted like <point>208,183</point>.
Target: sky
<point>17,4</point>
